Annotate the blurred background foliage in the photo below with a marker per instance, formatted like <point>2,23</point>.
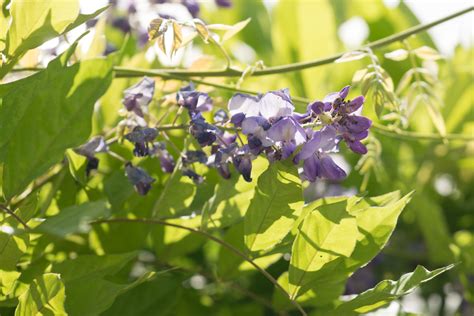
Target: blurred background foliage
<point>437,227</point>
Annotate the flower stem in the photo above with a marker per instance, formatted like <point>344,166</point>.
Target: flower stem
<point>210,237</point>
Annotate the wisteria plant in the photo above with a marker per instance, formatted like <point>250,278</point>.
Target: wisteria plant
<point>136,182</point>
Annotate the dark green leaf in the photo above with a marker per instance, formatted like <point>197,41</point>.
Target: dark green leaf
<point>29,146</point>
<point>74,219</point>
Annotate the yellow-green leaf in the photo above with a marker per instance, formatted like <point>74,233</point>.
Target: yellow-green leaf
<point>236,28</point>
<point>45,296</point>
<point>427,53</point>
<point>277,202</point>
<point>327,233</point>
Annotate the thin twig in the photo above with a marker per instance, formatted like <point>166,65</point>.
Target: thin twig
<point>210,237</point>
<point>10,212</point>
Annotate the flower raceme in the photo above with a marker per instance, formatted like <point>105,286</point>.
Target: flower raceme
<point>262,125</point>
<point>272,127</point>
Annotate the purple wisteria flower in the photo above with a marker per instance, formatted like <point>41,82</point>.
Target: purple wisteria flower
<point>272,105</point>
<point>352,128</point>
<point>140,179</point>
<point>274,128</point>
<point>242,160</point>
<point>94,146</point>
<point>269,123</point>
<point>137,97</point>
<point>202,131</point>
<point>221,158</point>
<point>221,116</point>
<point>141,137</point>
<point>194,101</point>
<point>167,163</point>
<point>192,156</point>
<point>314,154</point>
<point>288,134</point>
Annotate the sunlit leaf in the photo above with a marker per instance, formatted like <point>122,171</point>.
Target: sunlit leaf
<point>427,53</point>
<point>322,238</point>
<point>156,28</point>
<point>386,291</point>
<point>359,75</point>
<point>177,37</point>
<point>405,80</point>
<point>435,114</point>
<point>236,28</point>
<point>202,30</point>
<point>34,22</point>
<point>232,198</point>
<point>45,296</point>
<point>397,55</point>
<point>277,201</point>
<point>350,56</point>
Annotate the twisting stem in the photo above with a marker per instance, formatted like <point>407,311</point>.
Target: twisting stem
<point>124,72</point>
<point>231,72</point>
<point>223,243</point>
<point>10,212</point>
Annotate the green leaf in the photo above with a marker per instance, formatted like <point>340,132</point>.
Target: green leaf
<point>4,23</point>
<point>83,18</point>
<point>232,198</point>
<point>99,42</point>
<point>14,244</point>
<point>236,28</point>
<point>8,282</point>
<point>277,202</point>
<point>327,290</point>
<point>386,291</point>
<point>34,22</point>
<point>45,296</point>
<point>376,220</point>
<point>179,191</point>
<point>172,242</point>
<point>159,296</point>
<point>74,219</point>
<point>230,266</point>
<point>91,282</point>
<point>435,114</point>
<point>77,166</point>
<point>359,75</point>
<point>177,38</point>
<point>397,55</point>
<point>427,53</point>
<point>327,234</point>
<point>351,56</point>
<point>375,217</point>
<point>56,118</point>
<point>177,195</point>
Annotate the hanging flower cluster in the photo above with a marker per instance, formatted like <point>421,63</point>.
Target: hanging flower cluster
<point>253,125</point>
